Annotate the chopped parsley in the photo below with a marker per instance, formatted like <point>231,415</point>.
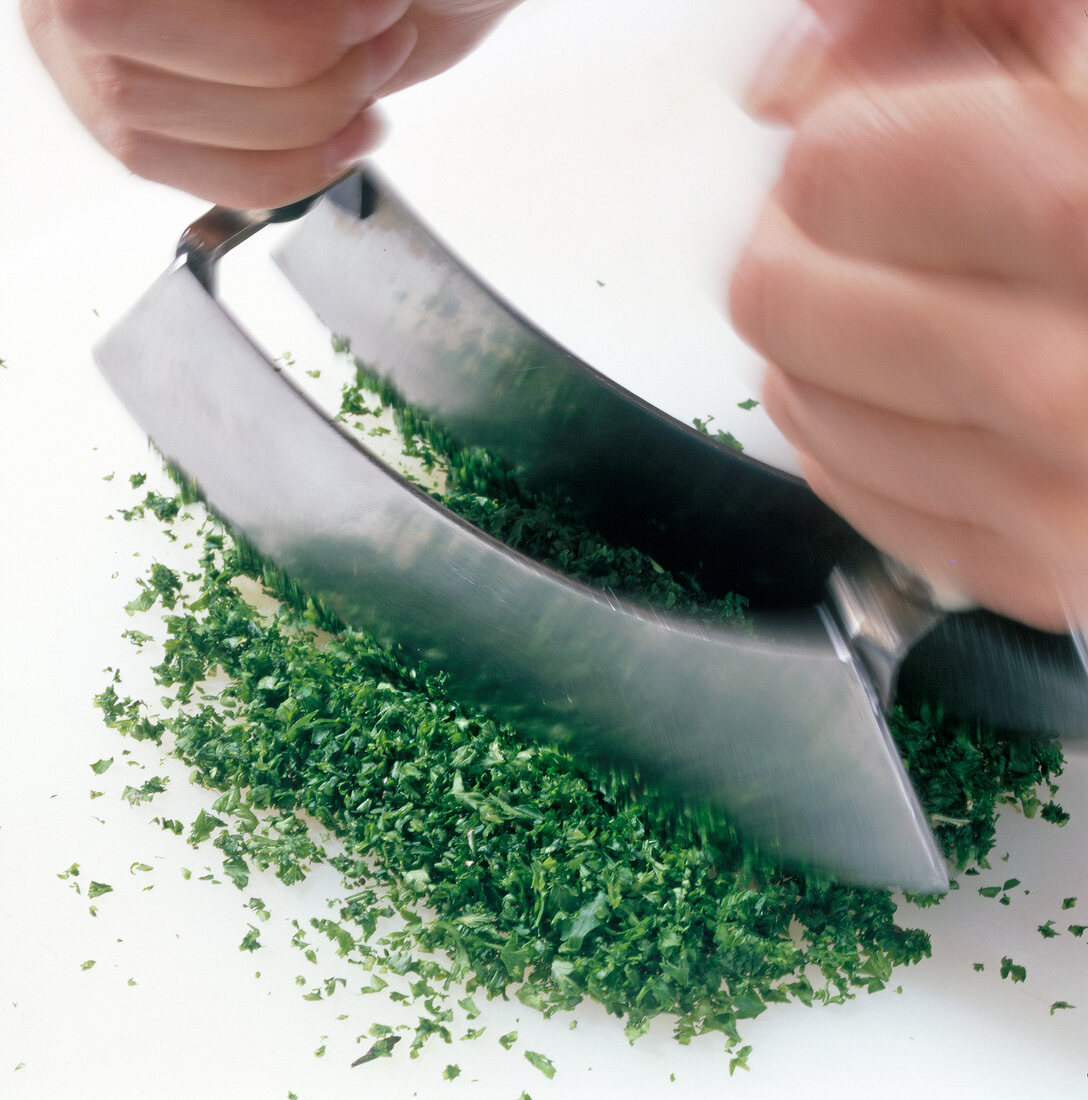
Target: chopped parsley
<point>1012,971</point>
<point>476,862</point>
<point>540,1062</point>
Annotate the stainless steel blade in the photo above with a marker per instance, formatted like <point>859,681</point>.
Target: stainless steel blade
<point>781,731</point>
<point>421,320</point>
<point>448,344</point>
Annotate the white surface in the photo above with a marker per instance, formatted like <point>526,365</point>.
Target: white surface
<point>78,242</point>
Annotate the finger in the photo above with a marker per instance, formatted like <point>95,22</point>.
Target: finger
<point>232,116</point>
<point>1024,585</point>
<point>960,475</point>
<point>1052,34</point>
<point>952,351</point>
<point>851,43</point>
<point>920,175</point>
<point>262,43</point>
<point>244,178</point>
<point>448,30</point>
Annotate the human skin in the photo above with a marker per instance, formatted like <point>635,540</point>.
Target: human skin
<point>918,285</point>
<point>253,103</point>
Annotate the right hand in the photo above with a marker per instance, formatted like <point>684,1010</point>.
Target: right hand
<point>254,103</point>
<point>918,286</point>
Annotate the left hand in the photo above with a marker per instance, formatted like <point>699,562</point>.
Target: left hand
<point>918,284</point>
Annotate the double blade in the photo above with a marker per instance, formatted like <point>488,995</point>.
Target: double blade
<point>417,317</point>
<point>782,730</point>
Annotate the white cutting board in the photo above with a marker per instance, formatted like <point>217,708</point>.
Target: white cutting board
<point>531,164</point>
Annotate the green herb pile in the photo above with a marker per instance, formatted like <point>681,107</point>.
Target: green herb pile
<point>478,864</point>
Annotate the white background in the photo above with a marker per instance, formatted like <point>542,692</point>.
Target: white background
<point>570,151</point>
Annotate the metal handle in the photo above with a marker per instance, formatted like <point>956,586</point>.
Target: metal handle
<point>212,236</point>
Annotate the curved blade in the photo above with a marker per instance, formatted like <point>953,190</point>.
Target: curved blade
<point>420,319</point>
<point>782,732</point>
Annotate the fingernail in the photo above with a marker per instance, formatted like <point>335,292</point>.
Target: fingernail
<point>788,69</point>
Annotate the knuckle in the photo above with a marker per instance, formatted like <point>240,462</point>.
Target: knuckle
<point>126,144</point>
<point>114,88</point>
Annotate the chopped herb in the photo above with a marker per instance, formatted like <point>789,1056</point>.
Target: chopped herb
<point>508,1040</point>
<point>739,1059</point>
<point>1069,903</point>
<point>725,438</point>
<point>97,889</point>
<point>1060,1005</point>
<point>1047,930</point>
<point>381,1048</point>
<point>87,964</point>
<point>136,796</point>
<point>540,1062</point>
<point>451,1072</point>
<point>100,766</point>
<point>1011,970</point>
<point>511,865</point>
<point>748,405</point>
<point>251,941</point>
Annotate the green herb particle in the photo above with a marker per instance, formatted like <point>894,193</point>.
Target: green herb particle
<point>87,964</point>
<point>302,727</point>
<point>100,766</point>
<point>251,941</point>
<point>451,1072</point>
<point>1011,970</point>
<point>136,796</point>
<point>508,1040</point>
<point>1057,1005</point>
<point>725,438</point>
<point>97,889</point>
<point>739,1060</point>
<point>540,1062</point>
<point>382,1048</point>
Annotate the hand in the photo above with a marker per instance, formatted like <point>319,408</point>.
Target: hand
<point>918,284</point>
<point>252,103</point>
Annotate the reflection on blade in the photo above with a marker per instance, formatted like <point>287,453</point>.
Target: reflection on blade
<point>421,320</point>
<point>782,733</point>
